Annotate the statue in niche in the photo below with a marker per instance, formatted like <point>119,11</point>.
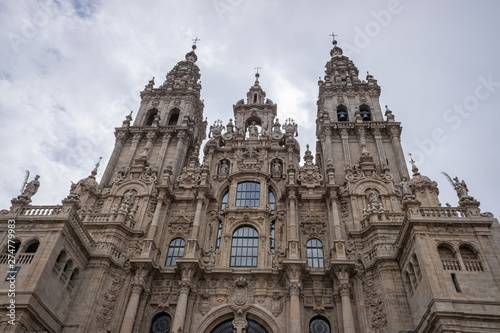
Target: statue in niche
<point>253,130</point>
<point>31,188</point>
<point>374,203</point>
<point>223,168</point>
<point>405,188</point>
<point>276,168</point>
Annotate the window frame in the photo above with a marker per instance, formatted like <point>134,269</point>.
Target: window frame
<point>241,243</point>
<point>174,251</point>
<point>314,253</point>
<point>247,195</point>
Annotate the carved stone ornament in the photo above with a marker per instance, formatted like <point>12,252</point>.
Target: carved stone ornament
<point>106,312</point>
<point>309,174</point>
<point>277,304</point>
<point>312,226</point>
<point>181,225</point>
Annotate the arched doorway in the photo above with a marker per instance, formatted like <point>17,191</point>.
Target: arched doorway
<point>227,327</point>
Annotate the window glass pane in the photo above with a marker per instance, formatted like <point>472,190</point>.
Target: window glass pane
<point>244,247</point>
<point>248,194</point>
<point>314,252</point>
<point>175,250</point>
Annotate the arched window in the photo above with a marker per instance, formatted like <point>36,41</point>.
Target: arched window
<point>342,114</point>
<point>161,323</point>
<point>224,200</point>
<point>227,327</point>
<point>248,194</point>
<point>175,250</point>
<point>314,250</point>
<point>32,247</point>
<point>365,112</point>
<point>470,258</point>
<point>150,116</point>
<point>272,200</point>
<point>319,325</point>
<point>272,238</point>
<point>173,117</point>
<point>448,258</point>
<point>244,247</point>
<point>219,233</point>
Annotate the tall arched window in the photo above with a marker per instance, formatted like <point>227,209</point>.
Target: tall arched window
<point>342,114</point>
<point>272,238</point>
<point>319,325</point>
<point>150,116</point>
<point>365,112</point>
<point>161,323</point>
<point>219,234</point>
<point>175,250</point>
<point>470,258</point>
<point>314,250</point>
<point>223,202</point>
<point>244,247</point>
<point>448,258</point>
<point>248,194</point>
<point>272,200</point>
<point>173,117</point>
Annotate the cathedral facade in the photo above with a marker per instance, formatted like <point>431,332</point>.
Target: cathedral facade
<point>255,236</point>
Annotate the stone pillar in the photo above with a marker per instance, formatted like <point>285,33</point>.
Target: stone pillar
<point>295,318</point>
<point>187,272</point>
<point>398,151</point>
<point>133,148</point>
<point>337,229</point>
<point>120,140</point>
<point>179,151</point>
<point>380,147</point>
<point>133,301</point>
<point>344,135</point>
<point>342,273</point>
<point>193,239</point>
<point>293,240</point>
<point>327,146</point>
<point>163,151</point>
<point>347,317</point>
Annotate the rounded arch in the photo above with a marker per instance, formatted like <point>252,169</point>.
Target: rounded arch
<point>224,312</point>
<point>314,253</point>
<point>342,114</point>
<point>175,250</point>
<point>319,324</point>
<point>365,111</point>
<point>62,257</point>
<point>258,120</point>
<point>244,247</point>
<point>161,323</point>
<point>361,187</point>
<point>150,116</point>
<point>468,251</point>
<point>31,246</point>
<point>173,117</point>
<point>446,250</point>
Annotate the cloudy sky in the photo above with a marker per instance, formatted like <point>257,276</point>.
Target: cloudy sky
<point>71,71</point>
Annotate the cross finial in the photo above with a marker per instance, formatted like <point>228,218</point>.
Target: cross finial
<point>333,35</point>
<point>195,40</point>
<point>257,69</point>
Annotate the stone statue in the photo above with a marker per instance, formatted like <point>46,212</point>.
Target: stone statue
<point>223,168</point>
<point>461,188</point>
<point>276,167</point>
<point>31,188</point>
<point>405,188</point>
<point>374,202</point>
<point>253,131</point>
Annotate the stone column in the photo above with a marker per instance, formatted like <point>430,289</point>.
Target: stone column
<point>337,229</point>
<point>344,135</point>
<point>187,271</point>
<point>342,273</point>
<point>121,137</point>
<point>380,147</point>
<point>293,240</point>
<point>163,151</point>
<point>295,318</point>
<point>193,239</point>
<point>179,150</point>
<point>133,148</point>
<point>398,151</point>
<point>133,301</point>
<point>327,146</point>
<point>347,317</point>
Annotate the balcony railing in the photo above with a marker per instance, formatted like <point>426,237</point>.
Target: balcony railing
<point>451,264</point>
<point>473,265</point>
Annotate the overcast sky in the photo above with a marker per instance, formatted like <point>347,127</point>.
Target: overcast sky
<point>70,72</point>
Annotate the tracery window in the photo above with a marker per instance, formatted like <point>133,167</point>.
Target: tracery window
<point>161,323</point>
<point>248,194</point>
<point>314,250</point>
<point>219,233</point>
<point>244,247</point>
<point>319,325</point>
<point>224,200</point>
<point>175,250</point>
<point>272,200</point>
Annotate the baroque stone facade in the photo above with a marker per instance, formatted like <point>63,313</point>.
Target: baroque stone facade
<point>251,239</point>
